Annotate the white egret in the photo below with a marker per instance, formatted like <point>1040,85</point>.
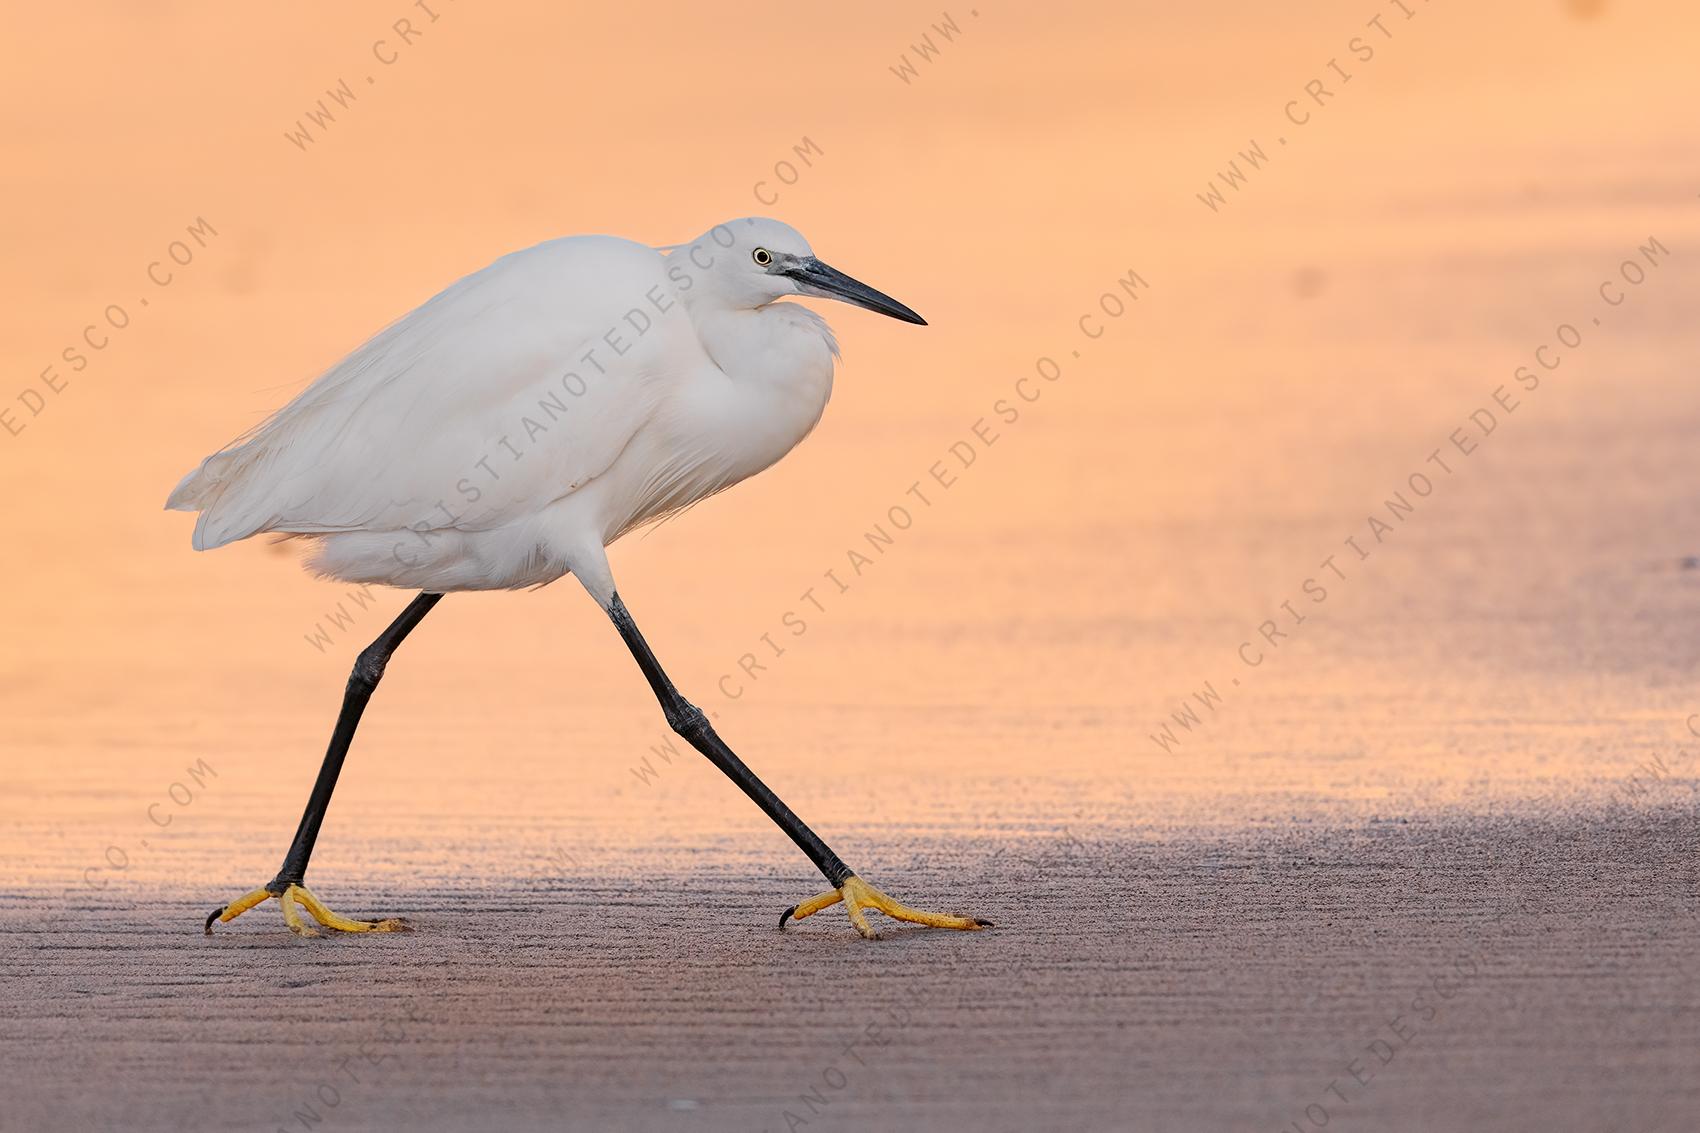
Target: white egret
<point>505,432</point>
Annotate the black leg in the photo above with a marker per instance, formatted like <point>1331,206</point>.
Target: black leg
<point>368,671</point>
<point>688,720</point>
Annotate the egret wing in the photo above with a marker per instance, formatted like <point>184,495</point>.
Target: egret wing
<point>507,391</point>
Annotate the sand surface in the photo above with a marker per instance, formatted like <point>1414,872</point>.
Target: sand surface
<point>1515,974</point>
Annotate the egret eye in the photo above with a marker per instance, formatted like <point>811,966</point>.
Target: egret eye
<point>762,256</point>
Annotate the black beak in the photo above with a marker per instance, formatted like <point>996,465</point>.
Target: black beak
<point>816,278</point>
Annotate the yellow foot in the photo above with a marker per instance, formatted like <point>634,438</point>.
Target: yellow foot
<point>858,895</point>
<point>292,916</point>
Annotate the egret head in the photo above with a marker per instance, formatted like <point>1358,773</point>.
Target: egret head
<point>753,261</point>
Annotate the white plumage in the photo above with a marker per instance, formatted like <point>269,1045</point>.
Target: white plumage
<point>502,434</point>
<point>507,431</point>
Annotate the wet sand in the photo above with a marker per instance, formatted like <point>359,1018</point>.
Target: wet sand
<point>1517,973</point>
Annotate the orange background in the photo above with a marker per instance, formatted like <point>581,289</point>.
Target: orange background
<point>1529,632</point>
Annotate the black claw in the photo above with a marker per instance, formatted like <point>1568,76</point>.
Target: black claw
<point>982,923</point>
<point>213,916</point>
<point>785,916</point>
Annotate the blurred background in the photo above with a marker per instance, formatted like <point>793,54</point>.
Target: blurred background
<point>1298,352</point>
<point>1349,227</point>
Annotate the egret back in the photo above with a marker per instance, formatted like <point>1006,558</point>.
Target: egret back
<point>510,389</point>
